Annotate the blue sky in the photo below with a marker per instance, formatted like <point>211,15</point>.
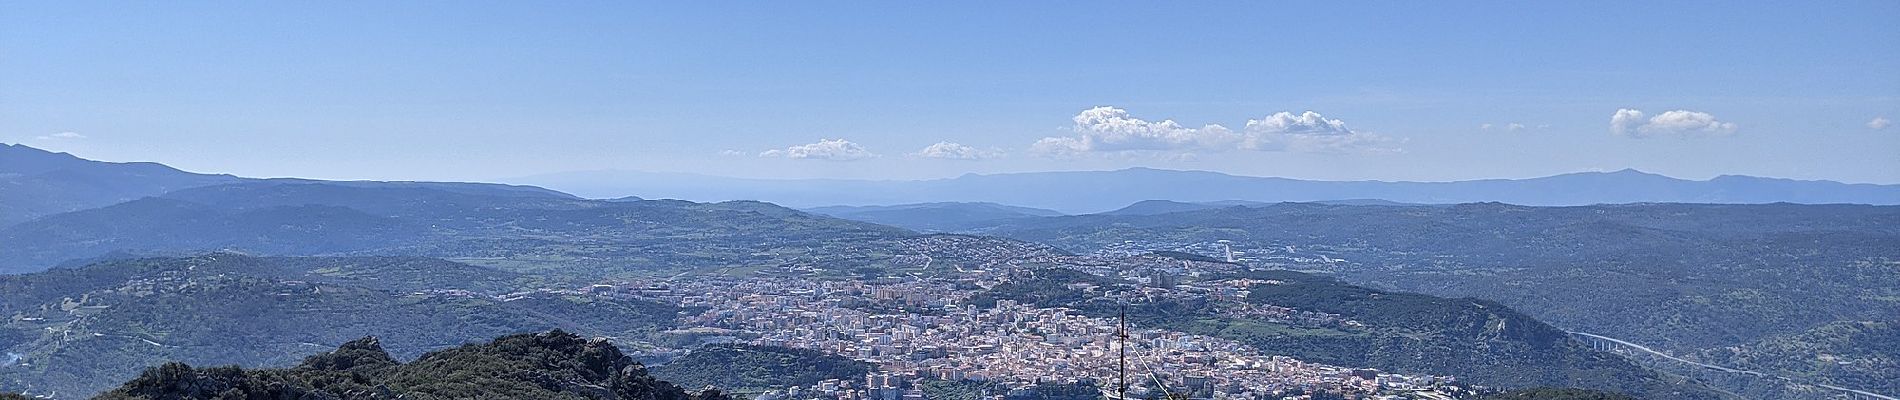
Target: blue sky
<point>1397,90</point>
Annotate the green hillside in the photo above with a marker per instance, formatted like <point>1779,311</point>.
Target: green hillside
<point>79,330</point>
<point>1685,278</point>
<point>748,368</point>
<point>552,365</point>
<point>1478,341</point>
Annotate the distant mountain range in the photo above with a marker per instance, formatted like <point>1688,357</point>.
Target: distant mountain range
<point>349,218</point>
<point>1085,192</point>
<point>36,183</point>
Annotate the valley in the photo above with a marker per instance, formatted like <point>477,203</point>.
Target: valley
<point>1248,299</point>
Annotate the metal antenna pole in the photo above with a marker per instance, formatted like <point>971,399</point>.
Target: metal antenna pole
<point>1122,380</point>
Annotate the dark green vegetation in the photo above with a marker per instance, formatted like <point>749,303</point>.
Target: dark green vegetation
<point>504,227</point>
<point>1479,341</point>
<point>1557,394</point>
<point>959,390</point>
<point>81,329</point>
<point>748,368</point>
<point>975,390</point>
<point>553,365</point>
<point>933,217</point>
<point>1680,277</point>
<point>1057,391</point>
<point>1179,255</point>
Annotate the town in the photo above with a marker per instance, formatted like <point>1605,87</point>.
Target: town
<point>922,327</point>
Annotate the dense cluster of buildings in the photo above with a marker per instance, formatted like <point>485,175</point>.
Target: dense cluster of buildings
<point>928,328</point>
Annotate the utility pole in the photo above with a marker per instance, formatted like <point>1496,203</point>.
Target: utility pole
<point>1122,379</point>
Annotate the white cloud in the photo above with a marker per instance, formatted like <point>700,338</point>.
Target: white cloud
<point>63,136</point>
<point>731,153</point>
<point>1062,146</point>
<point>824,149</point>
<point>955,151</point>
<point>1113,129</point>
<point>1310,132</point>
<point>1879,123</point>
<point>1512,126</point>
<point>1110,129</point>
<point>1305,123</point>
<point>1631,123</point>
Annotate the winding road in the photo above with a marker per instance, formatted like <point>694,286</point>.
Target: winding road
<point>1646,349</point>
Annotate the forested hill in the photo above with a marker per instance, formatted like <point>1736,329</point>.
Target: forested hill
<point>1478,341</point>
<point>1682,276</point>
<point>80,330</point>
<point>552,365</point>
<point>327,218</point>
<point>1687,278</point>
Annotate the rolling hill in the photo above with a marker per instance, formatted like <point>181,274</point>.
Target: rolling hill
<point>1478,341</point>
<point>80,330</point>
<point>1682,277</point>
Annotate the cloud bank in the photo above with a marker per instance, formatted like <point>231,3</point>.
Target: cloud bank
<point>824,149</point>
<point>1109,129</point>
<point>1511,127</point>
<point>1679,123</point>
<point>62,136</point>
<point>955,151</point>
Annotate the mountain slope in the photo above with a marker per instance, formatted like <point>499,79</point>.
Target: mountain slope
<point>1081,192</point>
<point>327,218</point>
<point>552,365</point>
<point>78,330</point>
<point>1682,274</point>
<point>1331,322</point>
<point>1856,354</point>
<point>1680,277</point>
<point>35,182</point>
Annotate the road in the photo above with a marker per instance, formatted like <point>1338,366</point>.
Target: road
<point>1646,349</point>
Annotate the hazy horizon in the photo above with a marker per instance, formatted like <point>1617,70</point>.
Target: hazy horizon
<point>517,179</point>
